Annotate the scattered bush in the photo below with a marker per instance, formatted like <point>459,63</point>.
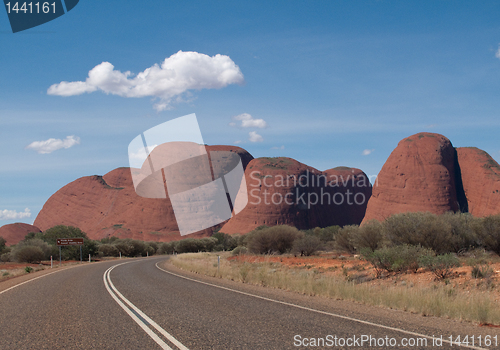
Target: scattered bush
<point>424,229</point>
<point>28,253</point>
<point>481,271</point>
<point>2,244</point>
<point>306,245</point>
<point>276,239</point>
<point>166,248</point>
<point>369,236</point>
<point>489,233</point>
<point>478,260</point>
<point>344,238</point>
<point>399,259</point>
<point>33,250</point>
<point>240,250</point>
<point>28,269</point>
<point>5,257</point>
<point>462,232</point>
<point>224,242</point>
<point>440,265</point>
<point>108,250</point>
<point>71,252</point>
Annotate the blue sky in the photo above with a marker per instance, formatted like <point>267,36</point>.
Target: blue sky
<point>333,82</point>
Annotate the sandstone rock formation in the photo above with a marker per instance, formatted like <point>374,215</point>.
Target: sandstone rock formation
<point>420,175</point>
<point>14,233</point>
<point>285,191</point>
<point>108,205</point>
<point>481,181</point>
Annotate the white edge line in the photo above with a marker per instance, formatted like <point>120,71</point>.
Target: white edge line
<point>317,311</point>
<point>147,318</point>
<point>148,331</point>
<point>33,279</point>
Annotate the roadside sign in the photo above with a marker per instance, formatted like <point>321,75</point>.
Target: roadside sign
<point>62,242</point>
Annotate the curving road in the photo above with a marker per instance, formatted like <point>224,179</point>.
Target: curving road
<point>146,304</point>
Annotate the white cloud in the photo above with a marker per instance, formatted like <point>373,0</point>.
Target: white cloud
<point>237,142</point>
<point>176,75</point>
<point>141,154</point>
<point>282,147</point>
<point>497,54</point>
<point>254,137</point>
<point>51,145</point>
<point>368,151</point>
<point>14,215</point>
<point>247,121</point>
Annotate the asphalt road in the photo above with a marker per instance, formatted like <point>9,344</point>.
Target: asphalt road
<point>145,304</point>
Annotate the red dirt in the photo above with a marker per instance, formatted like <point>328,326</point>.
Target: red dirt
<point>339,264</point>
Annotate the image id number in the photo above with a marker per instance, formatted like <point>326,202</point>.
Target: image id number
<point>32,7</point>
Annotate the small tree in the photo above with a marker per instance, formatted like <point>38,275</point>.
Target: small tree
<point>2,244</point>
<point>29,254</point>
<point>22,253</point>
<point>441,265</point>
<point>108,250</point>
<point>369,236</point>
<point>276,239</point>
<point>344,239</point>
<point>307,245</point>
<point>490,233</point>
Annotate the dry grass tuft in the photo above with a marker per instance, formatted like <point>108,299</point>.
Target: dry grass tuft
<point>435,299</point>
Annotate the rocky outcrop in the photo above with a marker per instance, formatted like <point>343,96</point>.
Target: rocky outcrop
<point>420,175</point>
<point>283,191</point>
<point>14,233</point>
<point>108,205</point>
<point>481,181</point>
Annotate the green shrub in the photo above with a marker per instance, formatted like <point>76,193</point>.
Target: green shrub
<point>71,252</point>
<point>481,271</point>
<point>149,250</point>
<point>28,269</point>
<point>108,240</point>
<point>131,247</point>
<point>25,251</point>
<point>441,265</point>
<point>5,257</point>
<point>398,259</point>
<point>276,239</point>
<point>124,247</point>
<point>224,241</point>
<point>154,245</point>
<point>478,260</point>
<point>307,245</point>
<point>345,237</point>
<point>369,235</point>
<point>489,233</point>
<point>2,244</point>
<point>239,250</point>
<point>28,253</point>
<point>193,245</point>
<point>463,236</point>
<point>208,243</point>
<point>424,229</point>
<point>166,248</point>
<point>108,250</point>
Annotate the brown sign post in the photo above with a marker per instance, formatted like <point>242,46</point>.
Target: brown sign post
<point>61,242</point>
<point>64,242</point>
